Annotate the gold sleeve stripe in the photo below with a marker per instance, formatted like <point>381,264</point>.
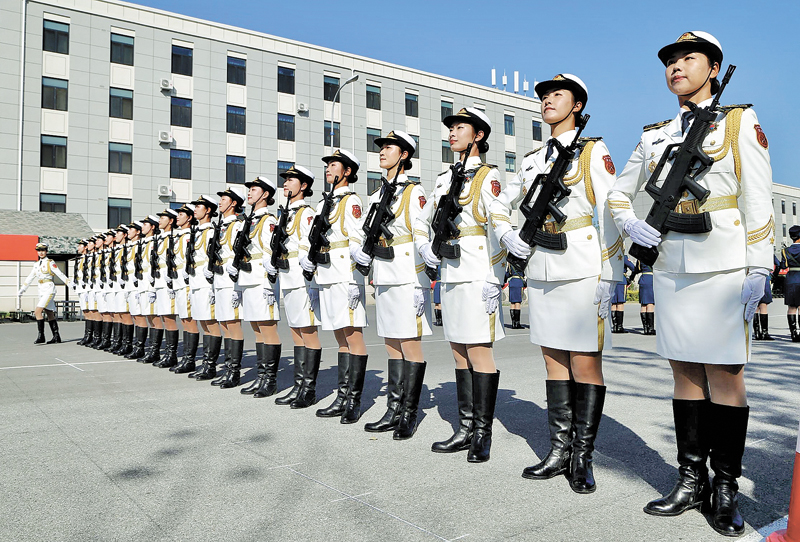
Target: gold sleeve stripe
<point>497,258</point>
<point>500,218</point>
<point>421,233</point>
<point>613,249</point>
<point>618,204</point>
<point>420,268</point>
<point>756,236</point>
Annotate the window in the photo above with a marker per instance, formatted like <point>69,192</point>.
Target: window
<point>237,71</point>
<point>412,105</point>
<point>120,103</point>
<point>180,164</point>
<point>336,134</point>
<point>511,162</point>
<point>416,142</point>
<point>236,120</point>
<point>285,127</point>
<point>794,208</point>
<point>120,158</point>
<point>175,205</point>
<point>373,182</point>
<point>181,112</point>
<point>282,168</point>
<point>447,153</point>
<point>537,130</point>
<point>119,212</point>
<point>447,109</point>
<point>373,97</point>
<point>57,203</point>
<point>784,231</point>
<point>121,49</point>
<point>181,60</point>
<point>54,94</point>
<point>329,88</point>
<point>54,152</point>
<point>234,169</point>
<point>56,37</point>
<point>508,124</point>
<point>285,80</point>
<point>413,179</point>
<point>783,206</point>
<point>372,135</point>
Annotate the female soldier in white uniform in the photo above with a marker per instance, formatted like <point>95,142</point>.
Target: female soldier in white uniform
<point>569,291</point>
<point>147,295</point>
<point>42,272</point>
<point>117,303</point>
<point>165,284</point>
<point>259,296</point>
<point>716,278</point>
<point>105,295</point>
<point>342,295</point>
<point>402,290</point>
<point>138,322</point>
<point>95,322</point>
<point>82,287</point>
<point>471,284</point>
<point>300,309</point>
<point>191,335</point>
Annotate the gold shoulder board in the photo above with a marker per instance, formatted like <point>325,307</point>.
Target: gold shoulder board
<point>729,108</point>
<point>533,151</point>
<point>656,125</point>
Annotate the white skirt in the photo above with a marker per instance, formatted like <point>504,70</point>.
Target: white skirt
<point>165,305</point>
<point>101,299</point>
<point>83,301</point>
<point>396,315</point>
<point>335,311</point>
<point>183,302</point>
<point>47,294</point>
<point>562,315</point>
<point>118,302</point>
<point>134,306</point>
<point>223,305</point>
<point>255,308</point>
<point>701,317</point>
<point>202,307</point>
<point>145,307</point>
<point>464,314</point>
<point>298,309</point>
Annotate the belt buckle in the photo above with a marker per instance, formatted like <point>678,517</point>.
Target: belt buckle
<point>382,242</point>
<point>550,227</point>
<point>688,207</point>
<point>324,250</point>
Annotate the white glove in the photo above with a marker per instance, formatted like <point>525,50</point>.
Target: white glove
<point>430,258</point>
<point>151,297</point>
<point>515,245</point>
<point>269,296</point>
<point>268,267</point>
<point>212,299</point>
<point>72,285</point>
<point>152,281</point>
<point>359,256</point>
<point>353,295</point>
<point>207,273</point>
<point>185,275</point>
<point>419,301</point>
<point>171,293</point>
<point>307,264</point>
<point>642,233</point>
<point>135,297</point>
<point>602,297</point>
<point>313,297</point>
<point>491,295</point>
<point>236,299</point>
<point>22,291</point>
<point>231,270</point>
<point>753,291</point>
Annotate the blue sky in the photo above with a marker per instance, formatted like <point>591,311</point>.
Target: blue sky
<point>611,45</point>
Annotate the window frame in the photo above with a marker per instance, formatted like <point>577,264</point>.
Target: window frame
<point>50,203</point>
<point>373,90</point>
<point>508,125</point>
<point>283,127</point>
<point>180,108</point>
<point>118,212</point>
<point>181,54</point>
<point>513,157</point>
<point>284,79</point>
<point>121,103</point>
<point>54,30</point>
<point>282,167</point>
<point>412,100</point>
<point>235,121</point>
<point>373,182</point>
<point>235,169</point>
<point>536,126</point>
<point>446,111</point>
<point>120,158</point>
<point>337,134</point>
<point>329,89</point>
<point>372,135</point>
<point>447,152</point>
<point>179,162</point>
<point>122,47</point>
<point>57,95</point>
<point>236,71</point>
<point>55,153</point>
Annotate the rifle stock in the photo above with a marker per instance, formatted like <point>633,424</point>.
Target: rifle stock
<point>377,224</point>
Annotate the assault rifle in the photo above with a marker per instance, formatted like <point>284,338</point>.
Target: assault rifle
<point>277,243</point>
<point>317,239</point>
<point>123,264</point>
<point>155,272</point>
<point>112,270</point>
<point>551,191</point>
<point>376,225</point>
<point>172,268</point>
<point>86,269</point>
<point>213,251</point>
<point>241,256</point>
<point>688,162</point>
<point>102,268</point>
<point>190,250</point>
<point>93,271</point>
<point>443,224</point>
<point>137,262</point>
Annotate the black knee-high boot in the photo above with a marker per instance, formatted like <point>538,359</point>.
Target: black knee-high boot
<point>792,318</point>
<point>221,378</point>
<point>358,370</point>
<point>462,438</point>
<point>394,396</point>
<point>307,395</point>
<point>187,364</point>
<point>234,365</point>
<point>153,353</point>
<point>54,329</point>
<point>484,397</point>
<point>413,377</point>
<point>337,407</point>
<point>589,399</point>
<point>138,344</point>
<point>651,323</point>
<point>272,360</point>
<point>560,400</point>
<point>764,321</point>
<point>40,329</point>
<point>727,447</point>
<point>86,332</point>
<point>757,335</point>
<point>170,358</point>
<point>210,355</point>
<point>299,360</point>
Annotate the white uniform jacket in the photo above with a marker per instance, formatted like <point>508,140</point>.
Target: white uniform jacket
<point>147,246</point>
<point>346,229</point>
<point>82,263</point>
<point>115,263</point>
<point>227,236</point>
<point>298,226</point>
<point>407,266</point>
<point>590,251</point>
<point>101,271</point>
<point>482,257</point>
<point>181,243</point>
<point>740,181</point>
<point>43,271</point>
<point>260,235</point>
<point>203,236</point>
<point>163,281</point>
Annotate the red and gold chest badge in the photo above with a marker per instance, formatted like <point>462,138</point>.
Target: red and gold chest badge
<point>272,227</point>
<point>609,164</point>
<point>496,188</point>
<point>422,202</point>
<point>761,137</point>
<point>310,219</point>
<point>357,211</point>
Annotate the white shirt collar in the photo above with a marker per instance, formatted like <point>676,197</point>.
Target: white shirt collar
<point>342,190</point>
<point>473,162</point>
<point>296,204</point>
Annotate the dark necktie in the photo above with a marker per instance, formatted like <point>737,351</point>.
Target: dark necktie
<point>550,146</point>
<point>687,118</point>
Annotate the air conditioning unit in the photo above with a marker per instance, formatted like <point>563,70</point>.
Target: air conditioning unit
<point>164,136</point>
<point>166,84</point>
<point>302,107</point>
<point>164,190</point>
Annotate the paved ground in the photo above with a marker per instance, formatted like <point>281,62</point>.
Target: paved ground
<point>95,448</point>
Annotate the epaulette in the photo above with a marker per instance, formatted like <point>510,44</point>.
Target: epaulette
<point>443,172</point>
<point>656,125</point>
<point>533,151</point>
<point>489,165</point>
<point>729,108</point>
<point>588,139</point>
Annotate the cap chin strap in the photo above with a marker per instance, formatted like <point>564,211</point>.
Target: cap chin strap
<point>701,86</point>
